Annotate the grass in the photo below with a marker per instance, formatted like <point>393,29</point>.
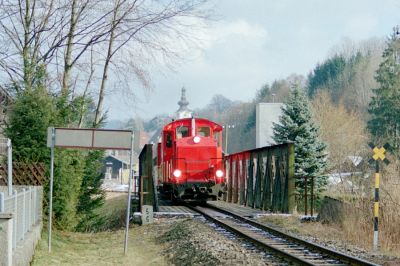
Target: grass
<point>113,211</point>
<point>292,224</point>
<point>103,248</point>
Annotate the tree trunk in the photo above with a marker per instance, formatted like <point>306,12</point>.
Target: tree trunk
<point>68,52</point>
<point>25,49</point>
<point>99,106</point>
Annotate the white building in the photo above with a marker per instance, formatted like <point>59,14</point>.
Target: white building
<point>266,115</point>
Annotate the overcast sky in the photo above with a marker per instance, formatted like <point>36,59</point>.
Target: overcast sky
<point>257,41</point>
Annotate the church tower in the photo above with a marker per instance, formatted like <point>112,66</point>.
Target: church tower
<point>183,111</point>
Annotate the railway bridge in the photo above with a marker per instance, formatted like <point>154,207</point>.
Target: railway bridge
<point>261,178</point>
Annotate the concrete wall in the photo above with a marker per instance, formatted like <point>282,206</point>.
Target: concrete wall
<point>6,230</point>
<point>23,253</point>
<point>266,115</point>
<point>334,210</point>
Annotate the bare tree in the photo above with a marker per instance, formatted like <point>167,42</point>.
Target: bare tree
<point>143,29</point>
<point>343,130</point>
<point>122,38</point>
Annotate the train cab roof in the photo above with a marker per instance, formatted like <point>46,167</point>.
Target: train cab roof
<point>188,122</point>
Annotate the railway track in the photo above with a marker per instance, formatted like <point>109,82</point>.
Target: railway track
<point>291,248</point>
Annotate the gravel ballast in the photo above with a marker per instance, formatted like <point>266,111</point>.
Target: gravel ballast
<point>193,242</point>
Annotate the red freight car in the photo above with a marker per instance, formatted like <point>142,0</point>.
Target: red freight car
<point>189,160</point>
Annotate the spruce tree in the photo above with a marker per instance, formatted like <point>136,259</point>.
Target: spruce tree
<point>384,123</point>
<point>296,125</point>
<point>32,112</point>
<point>91,194</point>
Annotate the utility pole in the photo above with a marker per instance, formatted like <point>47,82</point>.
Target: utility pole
<point>226,136</point>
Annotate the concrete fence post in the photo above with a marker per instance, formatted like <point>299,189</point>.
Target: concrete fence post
<point>2,202</point>
<point>15,198</point>
<point>23,213</point>
<point>30,208</point>
<point>34,205</point>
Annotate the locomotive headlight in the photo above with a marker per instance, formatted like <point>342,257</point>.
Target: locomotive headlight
<point>219,173</point>
<point>177,173</point>
<point>196,139</point>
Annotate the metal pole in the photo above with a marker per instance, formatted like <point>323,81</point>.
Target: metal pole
<point>2,202</point>
<point>9,164</point>
<point>312,196</point>
<point>135,192</point>
<point>121,171</point>
<point>376,205</point>
<point>128,208</point>
<point>305,196</point>
<point>226,139</point>
<point>53,140</point>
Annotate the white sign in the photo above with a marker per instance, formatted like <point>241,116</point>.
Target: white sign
<point>147,214</point>
<point>90,138</point>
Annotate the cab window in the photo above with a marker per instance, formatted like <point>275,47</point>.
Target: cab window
<point>203,131</point>
<point>168,139</point>
<point>182,132</point>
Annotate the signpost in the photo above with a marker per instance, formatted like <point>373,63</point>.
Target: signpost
<point>100,139</point>
<point>378,154</point>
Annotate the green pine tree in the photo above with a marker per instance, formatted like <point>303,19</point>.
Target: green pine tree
<point>384,123</point>
<point>91,195</point>
<point>296,125</point>
<point>32,112</point>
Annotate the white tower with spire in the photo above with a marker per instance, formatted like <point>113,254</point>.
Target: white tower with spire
<point>183,111</point>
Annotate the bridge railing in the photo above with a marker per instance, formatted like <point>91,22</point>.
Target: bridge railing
<point>262,178</point>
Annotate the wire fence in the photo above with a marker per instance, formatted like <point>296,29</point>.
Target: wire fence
<point>26,206</point>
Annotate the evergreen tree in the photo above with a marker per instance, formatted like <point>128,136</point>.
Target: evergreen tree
<point>91,195</point>
<point>326,75</point>
<point>296,125</point>
<point>384,107</point>
<point>32,112</point>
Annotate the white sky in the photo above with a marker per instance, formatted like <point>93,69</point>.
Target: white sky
<point>258,41</point>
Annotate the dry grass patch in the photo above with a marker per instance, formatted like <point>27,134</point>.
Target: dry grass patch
<point>293,225</point>
<point>103,248</point>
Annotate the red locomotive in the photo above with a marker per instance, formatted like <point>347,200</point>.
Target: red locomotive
<point>189,160</point>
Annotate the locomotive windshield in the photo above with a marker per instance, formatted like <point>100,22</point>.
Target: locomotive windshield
<point>203,131</point>
<point>182,132</point>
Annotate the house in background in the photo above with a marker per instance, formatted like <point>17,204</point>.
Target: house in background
<point>116,168</point>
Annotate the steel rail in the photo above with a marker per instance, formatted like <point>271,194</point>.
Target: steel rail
<point>312,246</point>
<point>255,241</point>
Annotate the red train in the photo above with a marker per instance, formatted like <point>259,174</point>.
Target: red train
<point>190,160</point>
